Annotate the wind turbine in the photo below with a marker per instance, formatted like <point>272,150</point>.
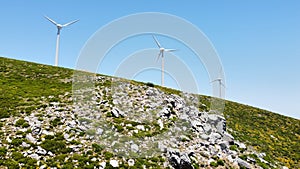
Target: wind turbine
<point>59,27</point>
<point>220,85</point>
<point>161,54</point>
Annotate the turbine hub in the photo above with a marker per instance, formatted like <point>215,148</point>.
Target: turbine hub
<point>59,26</point>
<point>161,49</point>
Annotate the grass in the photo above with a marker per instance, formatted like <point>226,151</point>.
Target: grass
<point>276,135</point>
<point>23,84</point>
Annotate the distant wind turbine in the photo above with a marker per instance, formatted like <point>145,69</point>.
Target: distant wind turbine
<point>161,54</point>
<point>220,85</point>
<point>59,27</point>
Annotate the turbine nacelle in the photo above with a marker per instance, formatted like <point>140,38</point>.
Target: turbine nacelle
<point>59,27</point>
<point>161,54</point>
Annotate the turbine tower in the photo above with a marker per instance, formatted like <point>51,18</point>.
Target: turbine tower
<point>220,85</point>
<point>161,54</point>
<point>59,27</point>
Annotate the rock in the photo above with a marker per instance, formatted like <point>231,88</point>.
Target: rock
<point>224,145</point>
<point>160,123</point>
<point>30,138</point>
<point>251,160</point>
<point>185,162</point>
<point>214,137</point>
<point>207,128</point>
<point>241,145</point>
<point>71,124</point>
<point>229,138</point>
<point>43,166</point>
<point>243,163</point>
<point>150,92</point>
<point>41,151</point>
<point>66,136</point>
<point>24,144</point>
<point>36,130</point>
<point>48,132</point>
<point>102,165</point>
<point>180,161</point>
<point>50,153</point>
<point>140,127</point>
<point>99,131</point>
<point>114,163</point>
<point>134,148</point>
<point>82,128</point>
<point>8,140</point>
<point>131,162</point>
<point>175,161</point>
<point>220,127</point>
<point>34,156</point>
<point>284,167</point>
<point>116,112</point>
<point>165,112</point>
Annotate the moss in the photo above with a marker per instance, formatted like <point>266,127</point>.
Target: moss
<point>20,122</point>
<point>213,164</point>
<point>91,132</point>
<point>17,141</point>
<point>108,155</point>
<point>233,147</point>
<point>56,122</point>
<point>54,146</point>
<point>220,162</point>
<point>97,147</point>
<point>3,151</point>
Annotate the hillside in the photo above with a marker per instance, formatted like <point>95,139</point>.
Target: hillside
<point>41,125</point>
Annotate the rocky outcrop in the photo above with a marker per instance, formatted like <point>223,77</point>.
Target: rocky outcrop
<point>124,122</point>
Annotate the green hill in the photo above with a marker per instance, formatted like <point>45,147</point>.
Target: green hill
<point>28,87</point>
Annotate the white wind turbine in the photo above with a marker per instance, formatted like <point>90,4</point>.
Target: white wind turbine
<point>161,54</point>
<point>219,80</point>
<point>59,27</point>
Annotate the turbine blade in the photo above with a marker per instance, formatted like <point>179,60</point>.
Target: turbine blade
<point>70,23</point>
<point>213,80</point>
<point>170,50</point>
<point>156,41</point>
<point>52,21</point>
<point>222,84</point>
<point>158,56</point>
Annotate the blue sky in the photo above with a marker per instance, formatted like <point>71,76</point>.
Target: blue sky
<point>258,42</point>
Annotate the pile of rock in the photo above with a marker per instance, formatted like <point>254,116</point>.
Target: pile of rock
<point>130,119</point>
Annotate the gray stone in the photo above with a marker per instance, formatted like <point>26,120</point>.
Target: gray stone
<point>185,162</point>
<point>41,151</point>
<point>114,163</point>
<point>99,131</point>
<point>116,112</point>
<point>134,148</point>
<point>30,138</point>
<point>36,130</point>
<point>34,156</point>
<point>24,144</point>
<point>214,137</point>
<point>207,128</point>
<point>243,163</point>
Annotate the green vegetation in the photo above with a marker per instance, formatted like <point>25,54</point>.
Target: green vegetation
<point>56,122</point>
<point>276,135</point>
<point>23,84</point>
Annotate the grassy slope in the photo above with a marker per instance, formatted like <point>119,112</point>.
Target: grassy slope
<point>23,83</point>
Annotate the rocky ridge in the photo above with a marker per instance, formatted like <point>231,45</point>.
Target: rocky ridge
<point>119,124</point>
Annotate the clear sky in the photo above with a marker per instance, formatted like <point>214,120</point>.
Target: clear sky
<point>258,42</point>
